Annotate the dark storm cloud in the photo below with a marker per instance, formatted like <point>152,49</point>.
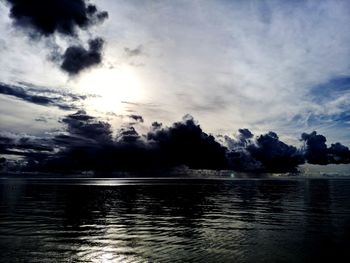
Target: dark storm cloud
<point>317,152</point>
<point>88,144</point>
<point>265,153</point>
<point>156,125</point>
<point>5,143</point>
<point>82,125</point>
<point>275,155</point>
<point>185,143</point>
<point>245,134</point>
<point>31,148</point>
<point>243,139</point>
<point>77,58</point>
<point>127,135</point>
<point>53,98</point>
<point>315,148</point>
<point>84,146</point>
<point>2,162</point>
<point>338,153</point>
<point>55,16</point>
<point>46,18</point>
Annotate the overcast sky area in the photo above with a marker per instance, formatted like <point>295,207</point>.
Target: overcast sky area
<point>281,66</point>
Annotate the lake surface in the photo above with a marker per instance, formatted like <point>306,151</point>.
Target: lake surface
<point>175,220</point>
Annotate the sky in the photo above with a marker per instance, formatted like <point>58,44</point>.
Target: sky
<point>281,66</point>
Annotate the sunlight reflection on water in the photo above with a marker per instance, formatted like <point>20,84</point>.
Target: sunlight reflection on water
<point>173,220</point>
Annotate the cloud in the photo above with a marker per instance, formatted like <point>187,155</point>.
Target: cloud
<point>261,59</point>
<point>77,58</point>
<point>127,135</point>
<point>41,119</point>
<point>255,64</point>
<point>245,134</point>
<point>133,52</point>
<point>243,139</point>
<point>2,162</point>
<point>263,153</point>
<point>338,153</point>
<point>316,148</point>
<point>185,143</point>
<point>47,18</point>
<point>84,126</point>
<point>87,143</point>
<point>51,98</point>
<point>31,148</point>
<point>55,16</point>
<point>275,155</point>
<point>137,118</point>
<point>317,152</point>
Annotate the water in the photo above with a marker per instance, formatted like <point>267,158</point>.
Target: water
<point>174,220</point>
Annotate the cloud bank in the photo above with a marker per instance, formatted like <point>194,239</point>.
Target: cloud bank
<point>89,144</point>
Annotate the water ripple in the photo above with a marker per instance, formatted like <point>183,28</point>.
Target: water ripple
<point>216,221</point>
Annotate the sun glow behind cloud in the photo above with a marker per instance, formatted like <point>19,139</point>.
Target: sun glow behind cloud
<point>263,65</point>
<point>111,87</point>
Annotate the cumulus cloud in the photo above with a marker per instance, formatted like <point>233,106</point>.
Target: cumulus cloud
<point>186,143</point>
<point>263,153</point>
<point>127,135</point>
<point>317,152</point>
<point>316,148</point>
<point>338,153</point>
<point>275,155</point>
<point>243,139</point>
<point>88,143</point>
<point>87,127</point>
<point>47,18</point>
<point>77,58</point>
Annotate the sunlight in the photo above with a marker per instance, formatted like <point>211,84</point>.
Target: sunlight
<point>112,86</point>
<point>106,258</point>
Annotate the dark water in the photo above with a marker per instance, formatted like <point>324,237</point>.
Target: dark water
<point>290,220</point>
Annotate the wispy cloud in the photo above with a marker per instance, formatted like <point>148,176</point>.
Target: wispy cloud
<point>46,97</point>
<point>263,57</point>
<point>265,65</point>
